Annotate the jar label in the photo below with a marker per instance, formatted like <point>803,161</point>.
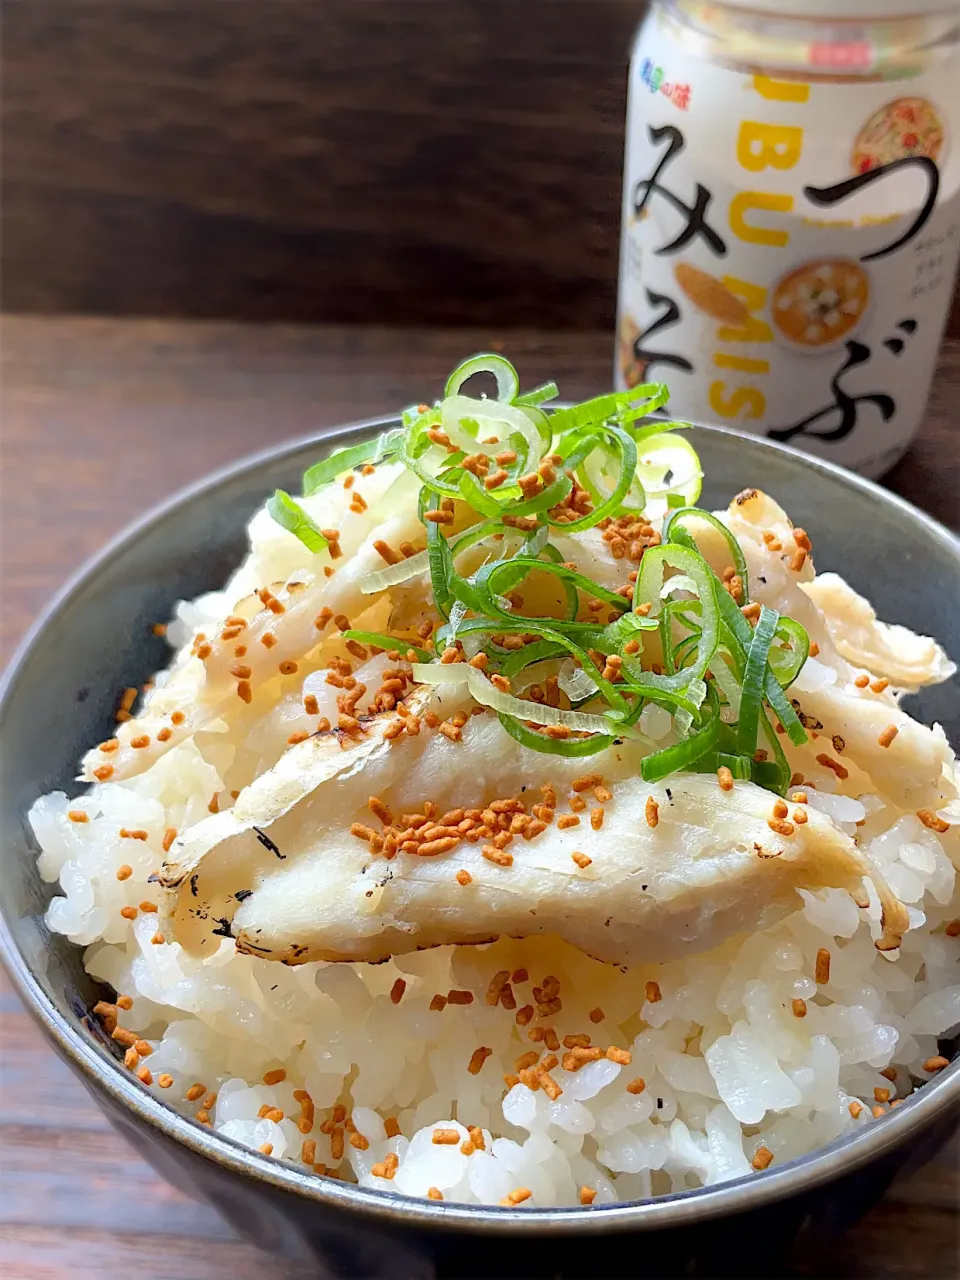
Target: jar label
<point>788,248</point>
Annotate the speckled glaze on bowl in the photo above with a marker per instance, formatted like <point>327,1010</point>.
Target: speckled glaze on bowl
<point>58,696</point>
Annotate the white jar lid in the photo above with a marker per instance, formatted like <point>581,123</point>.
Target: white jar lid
<point>843,10</point>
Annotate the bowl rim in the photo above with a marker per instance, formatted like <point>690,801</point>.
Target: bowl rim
<point>393,1209</point>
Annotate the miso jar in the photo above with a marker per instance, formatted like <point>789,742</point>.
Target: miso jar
<point>791,216</point>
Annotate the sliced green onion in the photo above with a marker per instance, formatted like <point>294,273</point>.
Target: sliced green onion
<point>489,696</point>
<point>739,766</point>
<point>489,418</point>
<point>683,651</point>
<point>684,754</point>
<point>575,683</point>
<point>683,721</point>
<point>787,659</point>
<point>727,682</point>
<point>576,650</point>
<point>601,473</point>
<point>554,642</point>
<point>508,383</point>
<point>440,562</point>
<point>577,450</point>
<point>503,576</point>
<point>668,454</point>
<point>784,711</point>
<point>751,695</point>
<point>677,529</point>
<point>541,421</point>
<point>392,575</point>
<point>570,747</point>
<point>538,396</point>
<point>516,662</point>
<point>645,430</point>
<point>476,533</point>
<point>737,629</point>
<point>571,594</point>
<point>413,449</point>
<point>472,491</point>
<point>691,564</point>
<point>538,544</point>
<point>630,465</point>
<point>373,451</point>
<point>380,640</point>
<point>666,640</point>
<point>740,635</point>
<point>680,582</point>
<point>769,775</point>
<point>629,626</point>
<point>621,407</point>
<point>773,774</point>
<point>291,516</point>
<point>545,500</point>
<point>675,693</point>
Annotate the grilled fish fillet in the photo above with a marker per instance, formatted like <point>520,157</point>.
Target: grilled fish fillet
<point>282,874</point>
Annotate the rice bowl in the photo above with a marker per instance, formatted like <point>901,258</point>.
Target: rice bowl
<point>729,1069</point>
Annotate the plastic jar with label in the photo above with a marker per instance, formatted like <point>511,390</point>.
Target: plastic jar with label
<point>791,216</point>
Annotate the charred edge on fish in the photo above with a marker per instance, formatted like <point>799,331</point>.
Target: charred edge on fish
<point>268,844</point>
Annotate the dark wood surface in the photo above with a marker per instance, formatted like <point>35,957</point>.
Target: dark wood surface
<point>100,420</point>
<point>443,161</point>
<point>430,161</point>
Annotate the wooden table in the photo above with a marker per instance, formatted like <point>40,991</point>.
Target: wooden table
<point>104,418</point>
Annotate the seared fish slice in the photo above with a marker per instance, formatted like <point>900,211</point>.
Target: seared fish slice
<point>203,688</point>
<point>672,870</point>
<point>909,661</point>
<point>916,769</point>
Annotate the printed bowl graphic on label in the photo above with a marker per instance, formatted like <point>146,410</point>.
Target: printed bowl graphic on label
<point>710,295</point>
<point>818,303</point>
<point>904,127</point>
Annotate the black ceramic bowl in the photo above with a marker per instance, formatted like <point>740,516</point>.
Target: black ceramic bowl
<point>58,697</point>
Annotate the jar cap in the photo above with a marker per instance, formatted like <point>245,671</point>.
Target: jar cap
<point>843,10</point>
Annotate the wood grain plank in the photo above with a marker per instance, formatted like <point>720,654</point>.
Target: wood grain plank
<point>929,474</point>
<point>893,1241</point>
<point>40,1253</point>
<point>337,160</point>
<point>36,1088</point>
<point>43,1165</point>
